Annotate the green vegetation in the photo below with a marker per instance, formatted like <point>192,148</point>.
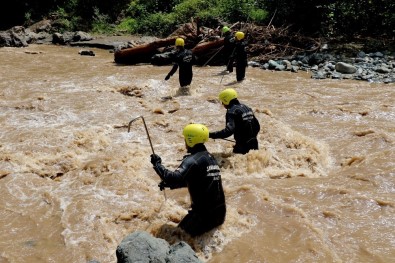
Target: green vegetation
<point>334,18</point>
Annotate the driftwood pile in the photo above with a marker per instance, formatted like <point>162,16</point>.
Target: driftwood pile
<point>267,42</point>
<point>264,43</point>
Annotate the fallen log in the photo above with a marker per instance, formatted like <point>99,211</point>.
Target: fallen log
<point>205,50</point>
<point>204,46</point>
<point>151,53</point>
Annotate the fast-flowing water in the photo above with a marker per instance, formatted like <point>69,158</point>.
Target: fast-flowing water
<point>74,182</point>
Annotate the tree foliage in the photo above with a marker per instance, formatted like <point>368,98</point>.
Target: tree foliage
<point>311,17</point>
<point>336,17</point>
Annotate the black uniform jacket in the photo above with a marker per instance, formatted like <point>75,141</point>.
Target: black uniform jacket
<point>200,172</point>
<point>240,53</point>
<point>229,46</point>
<point>240,121</point>
<point>184,60</point>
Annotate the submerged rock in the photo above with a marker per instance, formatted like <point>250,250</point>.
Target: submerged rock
<point>140,246</point>
<point>86,53</point>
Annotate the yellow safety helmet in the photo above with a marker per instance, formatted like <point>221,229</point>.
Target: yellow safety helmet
<point>227,95</point>
<point>225,29</point>
<point>239,35</point>
<point>195,133</point>
<point>179,42</point>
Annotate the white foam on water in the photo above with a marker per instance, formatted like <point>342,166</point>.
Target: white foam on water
<point>319,188</point>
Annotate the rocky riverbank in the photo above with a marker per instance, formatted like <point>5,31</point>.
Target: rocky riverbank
<point>325,62</point>
<point>372,67</point>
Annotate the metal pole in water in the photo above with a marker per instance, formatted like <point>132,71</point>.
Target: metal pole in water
<point>146,130</point>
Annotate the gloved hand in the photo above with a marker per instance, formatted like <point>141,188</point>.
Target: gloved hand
<point>162,185</point>
<point>167,77</point>
<point>155,159</point>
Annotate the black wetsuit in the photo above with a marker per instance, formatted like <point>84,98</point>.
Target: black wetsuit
<point>241,122</point>
<point>228,49</point>
<point>240,56</point>
<point>199,171</point>
<point>184,59</point>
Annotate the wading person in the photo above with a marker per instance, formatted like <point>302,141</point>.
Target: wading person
<point>239,56</point>
<point>183,59</point>
<point>228,48</point>
<point>240,121</point>
<point>200,173</point>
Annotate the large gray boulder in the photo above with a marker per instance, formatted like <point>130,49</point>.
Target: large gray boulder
<point>345,68</point>
<point>14,37</point>
<point>40,33</point>
<point>142,247</point>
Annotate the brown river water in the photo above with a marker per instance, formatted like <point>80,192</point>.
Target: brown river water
<point>74,182</point>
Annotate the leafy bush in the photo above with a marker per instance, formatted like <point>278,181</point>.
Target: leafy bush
<point>127,25</point>
<point>101,23</point>
<point>28,18</point>
<point>190,8</point>
<point>136,10</point>
<point>209,17</point>
<point>158,24</point>
<point>236,10</point>
<point>140,17</point>
<point>258,15</point>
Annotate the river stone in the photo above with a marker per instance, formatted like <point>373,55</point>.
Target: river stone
<point>86,53</point>
<point>81,36</point>
<point>161,59</point>
<point>294,69</point>
<point>361,54</point>
<point>345,68</point>
<point>14,37</point>
<point>5,39</point>
<point>142,247</point>
<point>273,64</point>
<point>182,252</point>
<point>383,69</point>
<point>288,65</point>
<point>377,55</point>
<point>253,64</point>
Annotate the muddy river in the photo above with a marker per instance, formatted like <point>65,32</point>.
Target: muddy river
<point>74,182</point>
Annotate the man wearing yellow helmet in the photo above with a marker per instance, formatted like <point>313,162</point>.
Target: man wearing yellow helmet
<point>200,173</point>
<point>184,59</point>
<point>239,56</point>
<point>240,121</point>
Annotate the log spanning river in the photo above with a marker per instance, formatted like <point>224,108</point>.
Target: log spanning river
<point>74,182</point>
